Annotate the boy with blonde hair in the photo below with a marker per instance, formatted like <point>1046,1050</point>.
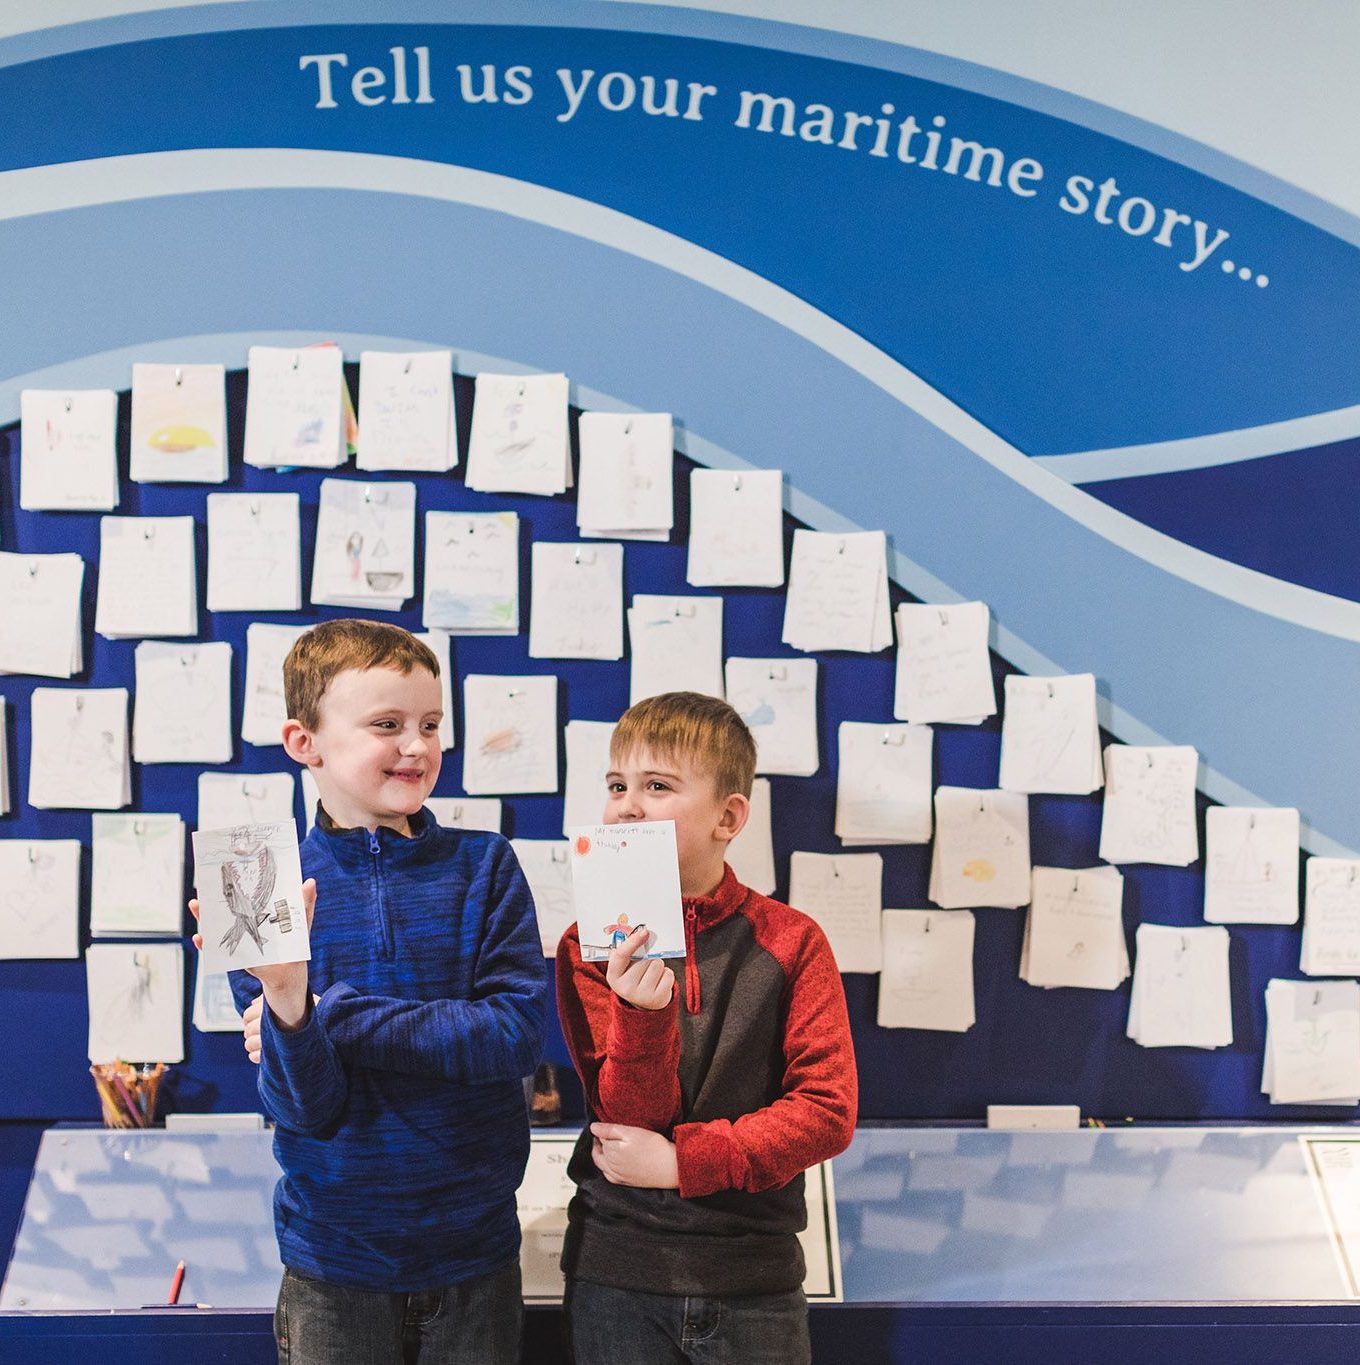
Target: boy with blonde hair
<point>391,1063</point>
<point>714,1081</point>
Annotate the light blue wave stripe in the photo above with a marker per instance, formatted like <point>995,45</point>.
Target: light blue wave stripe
<point>869,52</point>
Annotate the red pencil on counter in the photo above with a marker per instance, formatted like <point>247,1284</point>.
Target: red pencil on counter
<point>176,1284</point>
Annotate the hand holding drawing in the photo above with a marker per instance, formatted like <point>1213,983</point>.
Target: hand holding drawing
<point>634,1156</point>
<point>647,983</point>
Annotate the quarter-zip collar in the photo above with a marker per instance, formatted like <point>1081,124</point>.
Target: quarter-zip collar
<point>701,913</point>
<point>354,848</point>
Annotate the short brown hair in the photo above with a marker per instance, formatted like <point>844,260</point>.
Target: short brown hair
<point>334,646</point>
<point>690,725</point>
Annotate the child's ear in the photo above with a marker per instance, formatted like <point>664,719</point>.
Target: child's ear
<point>735,811</point>
<point>299,745</point>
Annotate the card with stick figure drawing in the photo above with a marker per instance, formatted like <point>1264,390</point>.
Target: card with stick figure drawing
<point>623,877</point>
<point>249,882</point>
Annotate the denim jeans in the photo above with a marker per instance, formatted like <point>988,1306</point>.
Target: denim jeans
<point>475,1322</point>
<point>625,1327</point>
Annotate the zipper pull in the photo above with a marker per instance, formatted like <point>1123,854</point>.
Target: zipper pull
<point>374,847</point>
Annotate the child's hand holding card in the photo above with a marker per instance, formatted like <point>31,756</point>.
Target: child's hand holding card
<point>623,877</point>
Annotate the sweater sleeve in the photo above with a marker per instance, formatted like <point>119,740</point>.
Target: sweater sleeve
<point>494,1035</point>
<point>302,1082</point>
<point>813,1120</point>
<point>628,1059</point>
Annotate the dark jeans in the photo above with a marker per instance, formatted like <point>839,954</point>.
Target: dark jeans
<point>476,1322</point>
<point>626,1327</point>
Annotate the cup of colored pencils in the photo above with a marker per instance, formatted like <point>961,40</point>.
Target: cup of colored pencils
<point>127,1093</point>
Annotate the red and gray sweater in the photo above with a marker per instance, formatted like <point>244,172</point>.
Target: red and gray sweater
<point>752,1076</point>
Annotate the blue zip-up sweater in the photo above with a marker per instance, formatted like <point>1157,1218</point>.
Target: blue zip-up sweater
<point>401,1125</point>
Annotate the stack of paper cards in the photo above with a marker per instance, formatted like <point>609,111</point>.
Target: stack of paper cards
<point>40,625</point>
<point>510,744</point>
<point>4,757</point>
<point>365,545</point>
<point>183,703</point>
<point>519,440</point>
<point>438,645</point>
<point>576,611</point>
<point>838,592</point>
<point>1074,933</point>
<point>927,976</point>
<point>264,711</point>
<point>254,552</point>
<point>466,812</point>
<point>148,577</point>
<point>751,854</point>
<point>623,876</point>
<point>883,783</point>
<point>472,572</point>
<point>1181,992</point>
<point>295,408</point>
<point>676,645</point>
<point>136,1002</point>
<point>179,423</point>
<point>406,411</point>
<point>843,892</point>
<point>1312,1042</point>
<point>1331,918</point>
<point>1149,811</point>
<point>138,883</point>
<point>40,910</point>
<point>736,528</point>
<point>981,853</point>
<point>587,766</point>
<point>626,461</point>
<point>1050,741</point>
<point>249,883</point>
<point>214,1005</point>
<point>78,754</point>
<point>777,698</point>
<point>244,799</point>
<point>944,670</point>
<point>546,864</point>
<point>1251,865</point>
<point>68,460</point>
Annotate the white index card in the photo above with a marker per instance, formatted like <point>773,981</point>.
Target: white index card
<point>777,698</point>
<point>843,892</point>
<point>249,884</point>
<point>751,854</point>
<point>136,1002</point>
<point>254,552</point>
<point>623,876</point>
<point>406,411</point>
<point>295,407</point>
<point>4,757</point>
<point>466,812</point>
<point>927,976</point>
<point>78,754</point>
<point>736,528</point>
<point>676,645</point>
<point>438,644</point>
<point>1181,995</point>
<point>510,740</point>
<point>1149,810</point>
<point>519,441</point>
<point>182,711</point>
<point>1074,935</point>
<point>1312,1053</point>
<point>472,572</point>
<point>226,799</point>
<point>1331,918</point>
<point>944,669</point>
<point>981,852</point>
<point>264,711</point>
<point>1049,736</point>
<point>214,1009</point>
<point>838,592</point>
<point>40,907</point>
<point>1251,865</point>
<point>587,765</point>
<point>546,865</point>
<point>365,544</point>
<point>68,459</point>
<point>138,882</point>
<point>40,626</point>
<point>148,577</point>
<point>179,423</point>
<point>883,783</point>
<point>576,610</point>
<point>626,462</point>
